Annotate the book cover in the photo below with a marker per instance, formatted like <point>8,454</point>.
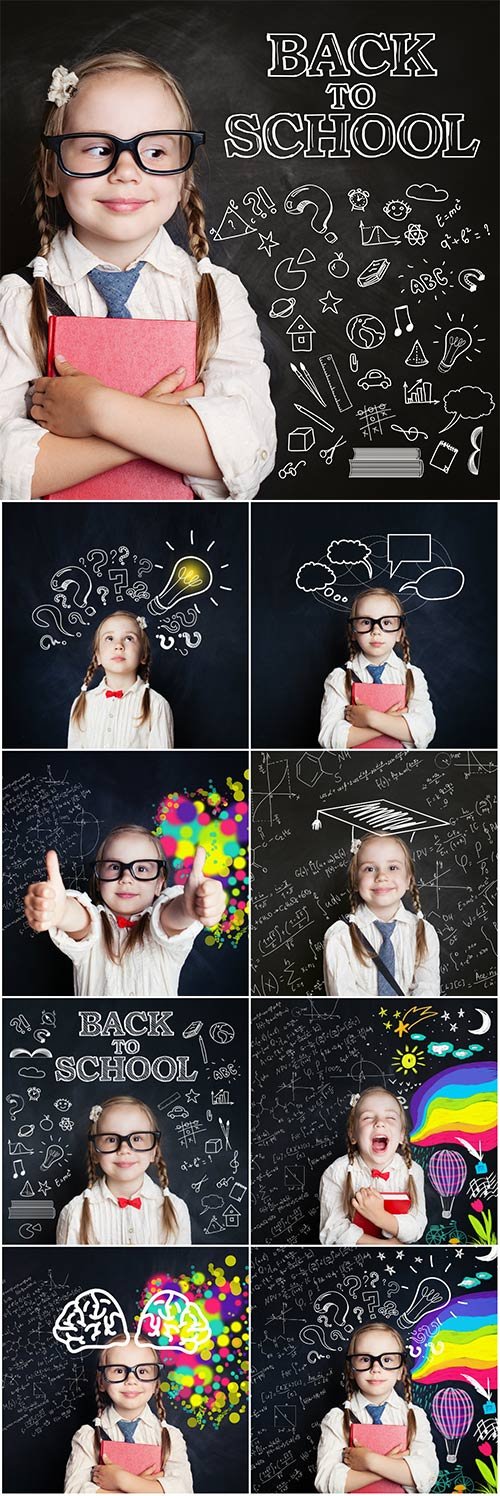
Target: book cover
<point>394,1204</point>
<point>380,697</point>
<point>133,1457</point>
<point>382,1437</point>
<point>127,354</point>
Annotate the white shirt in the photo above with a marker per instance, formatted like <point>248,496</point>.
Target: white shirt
<point>235,411</point>
<point>114,1226</point>
<point>334,730</point>
<point>149,970</point>
<point>336,1230</point>
<point>345,976</point>
<point>113,723</point>
<point>422,1460</point>
<point>177,1476</point>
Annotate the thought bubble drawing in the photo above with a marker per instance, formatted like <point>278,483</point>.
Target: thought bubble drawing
<point>437,585</point>
<point>467,403</point>
<point>88,1321</point>
<point>350,553</point>
<point>175,1321</point>
<point>315,576</point>
<point>425,192</point>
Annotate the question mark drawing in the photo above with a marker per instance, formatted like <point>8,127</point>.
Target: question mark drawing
<point>16,1105</point>
<point>145,566</point>
<point>311,196</point>
<point>323,1306</point>
<point>252,200</point>
<point>163,641</point>
<point>44,622</point>
<point>102,560</point>
<point>60,582</point>
<point>103,593</point>
<point>309,1334</point>
<point>123,552</point>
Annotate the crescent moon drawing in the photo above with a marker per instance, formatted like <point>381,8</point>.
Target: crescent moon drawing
<point>484,1026</point>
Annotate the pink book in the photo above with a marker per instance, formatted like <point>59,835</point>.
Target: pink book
<point>380,697</point>
<point>395,1204</point>
<point>127,354</point>
<point>133,1457</point>
<point>382,1437</point>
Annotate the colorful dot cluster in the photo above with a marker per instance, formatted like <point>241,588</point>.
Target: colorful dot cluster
<point>218,821</point>
<point>211,1385</point>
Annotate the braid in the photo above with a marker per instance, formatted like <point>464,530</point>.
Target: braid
<point>410,683</point>
<point>420,932</point>
<point>170,1222</point>
<point>101,1405</point>
<point>350,1389</point>
<point>407,1156</point>
<point>165,1436</point>
<point>145,716</point>
<point>39,309</point>
<point>86,1217</point>
<point>208,304</point>
<point>347,1191</point>
<point>354,902</point>
<point>80,706</point>
<point>411,1425</point>
<point>352,653</point>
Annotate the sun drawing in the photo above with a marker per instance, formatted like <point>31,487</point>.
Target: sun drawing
<point>408,1059</point>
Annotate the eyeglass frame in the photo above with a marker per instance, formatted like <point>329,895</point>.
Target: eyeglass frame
<point>127,867</point>
<point>402,1355</point>
<point>364,617</point>
<point>127,1370</point>
<point>54,143</point>
<point>124,1138</point>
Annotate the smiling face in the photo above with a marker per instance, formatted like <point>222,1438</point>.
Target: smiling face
<point>117,215</point>
<point>378,1128</point>
<point>120,648</point>
<point>376,646</point>
<point>130,1397</point>
<point>126,895</point>
<point>124,1171</point>
<point>383,875</point>
<point>378,1383</point>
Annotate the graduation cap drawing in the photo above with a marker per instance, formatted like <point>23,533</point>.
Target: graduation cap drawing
<point>377,818</point>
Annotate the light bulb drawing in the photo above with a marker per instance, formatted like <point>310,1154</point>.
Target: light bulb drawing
<point>190,576</point>
<point>431,1294</point>
<point>447,1172</point>
<point>457,341</point>
<point>452,1410</point>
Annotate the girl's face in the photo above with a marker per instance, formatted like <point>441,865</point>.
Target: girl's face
<point>377,645</point>
<point>378,1383</point>
<point>382,875</point>
<point>130,1397</point>
<point>127,895</point>
<point>379,1129</point>
<point>120,647</point>
<point>117,215</point>
<point>124,1171</point>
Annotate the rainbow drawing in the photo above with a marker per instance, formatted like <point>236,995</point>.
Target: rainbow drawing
<point>460,1341</point>
<point>457,1103</point>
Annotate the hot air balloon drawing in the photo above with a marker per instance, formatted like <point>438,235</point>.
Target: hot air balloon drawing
<point>447,1172</point>
<point>452,1410</point>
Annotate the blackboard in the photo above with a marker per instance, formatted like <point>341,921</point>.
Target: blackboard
<point>77,566</point>
<point>50,1392</point>
<point>300,635</point>
<point>302,1322</point>
<point>189,1066</point>
<point>421,229</point>
<point>69,803</point>
<point>308,1059</point>
<point>300,874</point>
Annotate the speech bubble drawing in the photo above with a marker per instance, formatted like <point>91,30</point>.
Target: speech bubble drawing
<point>437,585</point>
<point>467,404</point>
<point>406,549</point>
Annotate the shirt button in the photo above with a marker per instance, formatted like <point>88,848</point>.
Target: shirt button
<point>263,454</point>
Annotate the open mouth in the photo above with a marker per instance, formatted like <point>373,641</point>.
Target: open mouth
<point>380,1144</point>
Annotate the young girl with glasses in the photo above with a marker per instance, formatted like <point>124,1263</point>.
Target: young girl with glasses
<point>122,711</point>
<point>375,1189</point>
<point>382,948</point>
<point>122,1206</point>
<point>133,935</point>
<point>376,626</point>
<point>127,1383</point>
<point>103,192</point>
<point>375,1363</point>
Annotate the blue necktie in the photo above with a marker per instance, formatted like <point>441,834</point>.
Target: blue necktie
<point>376,673</point>
<point>115,287</point>
<point>387,955</point>
<point>128,1429</point>
<point>375,1410</point>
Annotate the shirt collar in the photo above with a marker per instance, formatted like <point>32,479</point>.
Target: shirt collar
<point>70,261</point>
<point>148,1191</point>
<point>103,686</point>
<point>360,661</point>
<point>147,1417</point>
<point>362,1402</point>
<point>134,917</point>
<point>402,915</point>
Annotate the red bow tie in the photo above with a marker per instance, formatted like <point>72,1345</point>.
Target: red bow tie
<point>377,1174</point>
<point>122,1203</point>
<point>115,693</point>
<point>124,923</point>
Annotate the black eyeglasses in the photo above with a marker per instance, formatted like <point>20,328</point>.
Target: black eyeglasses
<point>110,870</point>
<point>389,1361</point>
<point>111,1142</point>
<point>161,152</point>
<point>145,1372</point>
<point>389,625</point>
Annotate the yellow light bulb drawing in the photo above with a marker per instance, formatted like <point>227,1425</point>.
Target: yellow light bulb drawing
<point>189,578</point>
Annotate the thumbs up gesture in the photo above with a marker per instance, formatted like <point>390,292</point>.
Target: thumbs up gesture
<point>45,903</point>
<point>204,898</point>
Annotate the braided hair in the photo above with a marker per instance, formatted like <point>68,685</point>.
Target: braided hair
<point>51,214</point>
<point>355,899</point>
<point>403,640</point>
<point>104,1401</point>
<point>352,1148</point>
<point>135,935</point>
<point>169,1215</point>
<point>144,668</point>
<point>404,1376</point>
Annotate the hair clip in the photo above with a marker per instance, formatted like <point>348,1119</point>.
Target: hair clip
<point>87,1194</point>
<point>355,1097</point>
<point>143,621</point>
<point>97,1422</point>
<point>205,266</point>
<point>94,1113</point>
<point>163,1423</point>
<point>419,914</point>
<point>355,843</point>
<point>62,86</point>
<point>83,688</point>
<point>40,268</point>
<point>166,1193</point>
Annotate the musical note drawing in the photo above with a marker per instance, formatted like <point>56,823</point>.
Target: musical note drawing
<point>404,312</point>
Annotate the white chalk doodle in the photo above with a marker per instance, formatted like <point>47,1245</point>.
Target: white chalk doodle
<point>312,196</point>
<point>467,404</point>
<point>470,279</point>
<point>365,331</point>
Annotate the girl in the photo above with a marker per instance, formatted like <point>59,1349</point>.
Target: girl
<point>375,1362</point>
<point>359,1192</point>
<point>133,935</point>
<point>127,1379</point>
<point>121,1205</point>
<point>115,162</point>
<point>380,929</point>
<point>376,626</point>
<point>122,711</point>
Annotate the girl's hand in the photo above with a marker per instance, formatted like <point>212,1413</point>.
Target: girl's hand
<point>358,716</point>
<point>204,898</point>
<point>357,1458</point>
<point>167,391</point>
<point>45,903</point>
<point>371,1204</point>
<point>66,406</point>
<point>109,1477</point>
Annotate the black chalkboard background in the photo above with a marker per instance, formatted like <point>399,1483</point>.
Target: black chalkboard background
<point>308,1058</point>
<point>305,1305</point>
<point>50,1393</point>
<point>201,669</point>
<point>300,875</point>
<point>68,803</point>
<point>191,39</point>
<point>192,1102</point>
<point>298,636</point>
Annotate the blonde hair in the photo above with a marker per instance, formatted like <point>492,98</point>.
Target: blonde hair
<point>355,899</point>
<point>404,1377</point>
<point>191,204</point>
<point>144,668</point>
<point>135,935</point>
<point>354,644</point>
<point>103,1400</point>
<point>169,1217</point>
<point>352,1148</point>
